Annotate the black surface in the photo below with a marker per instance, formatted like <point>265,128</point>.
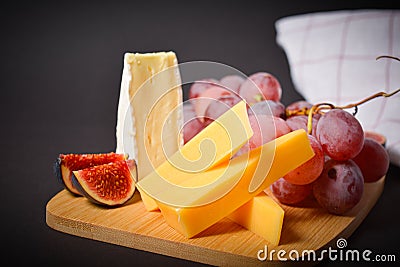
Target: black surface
<point>60,76</point>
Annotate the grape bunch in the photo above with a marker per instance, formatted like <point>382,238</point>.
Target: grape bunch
<point>345,157</point>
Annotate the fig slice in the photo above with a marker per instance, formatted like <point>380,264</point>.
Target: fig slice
<point>67,163</point>
<point>380,138</point>
<point>111,184</point>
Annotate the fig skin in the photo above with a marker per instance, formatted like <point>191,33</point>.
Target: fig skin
<point>88,193</point>
<point>65,164</point>
<point>57,168</point>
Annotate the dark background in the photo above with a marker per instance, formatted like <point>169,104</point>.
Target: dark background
<point>61,66</point>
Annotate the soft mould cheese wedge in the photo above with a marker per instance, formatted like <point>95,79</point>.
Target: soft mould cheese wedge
<point>149,112</point>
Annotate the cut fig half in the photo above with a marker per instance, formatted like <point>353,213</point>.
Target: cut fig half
<point>67,163</point>
<point>111,184</point>
<point>380,138</point>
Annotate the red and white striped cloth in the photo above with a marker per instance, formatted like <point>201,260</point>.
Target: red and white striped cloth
<point>332,58</point>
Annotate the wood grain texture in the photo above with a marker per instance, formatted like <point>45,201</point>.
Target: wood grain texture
<point>224,244</point>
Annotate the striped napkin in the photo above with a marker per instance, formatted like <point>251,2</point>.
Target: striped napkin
<point>332,58</point>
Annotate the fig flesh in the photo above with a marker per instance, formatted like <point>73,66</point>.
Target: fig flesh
<point>111,184</point>
<point>67,163</point>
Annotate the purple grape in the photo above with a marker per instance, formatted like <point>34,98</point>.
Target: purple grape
<point>266,128</point>
<point>192,125</point>
<point>260,86</point>
<point>288,193</point>
<point>268,107</point>
<point>301,121</point>
<point>232,82</point>
<point>340,134</point>
<point>309,171</point>
<point>373,160</point>
<point>199,86</point>
<point>219,106</point>
<point>200,104</point>
<point>340,186</point>
<point>298,105</point>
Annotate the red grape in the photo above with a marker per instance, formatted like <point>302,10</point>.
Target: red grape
<point>380,138</point>
<point>232,82</point>
<point>373,160</point>
<point>219,106</point>
<point>260,86</point>
<point>206,97</point>
<point>192,125</point>
<point>340,186</point>
<point>200,86</point>
<point>340,134</point>
<point>188,108</point>
<point>268,107</point>
<point>309,171</point>
<point>266,128</point>
<point>288,193</point>
<point>298,105</point>
<point>281,127</point>
<point>300,122</point>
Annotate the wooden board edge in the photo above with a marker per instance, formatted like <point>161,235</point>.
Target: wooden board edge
<point>185,251</point>
<point>146,243</point>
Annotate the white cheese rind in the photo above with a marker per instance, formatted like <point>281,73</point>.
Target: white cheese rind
<point>125,130</point>
<point>150,115</point>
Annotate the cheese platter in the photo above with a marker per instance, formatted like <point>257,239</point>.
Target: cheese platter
<point>232,177</point>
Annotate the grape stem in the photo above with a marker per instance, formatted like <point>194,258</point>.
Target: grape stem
<point>390,57</point>
<point>318,108</point>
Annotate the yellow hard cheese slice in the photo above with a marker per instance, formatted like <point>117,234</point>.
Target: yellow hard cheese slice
<point>261,215</point>
<point>217,143</point>
<point>149,111</point>
<point>191,208</point>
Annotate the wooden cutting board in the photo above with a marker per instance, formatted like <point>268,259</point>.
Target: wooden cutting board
<point>224,244</point>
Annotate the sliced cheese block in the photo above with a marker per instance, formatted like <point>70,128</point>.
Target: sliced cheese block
<point>198,209</point>
<point>149,112</point>
<point>217,143</point>
<point>261,215</point>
